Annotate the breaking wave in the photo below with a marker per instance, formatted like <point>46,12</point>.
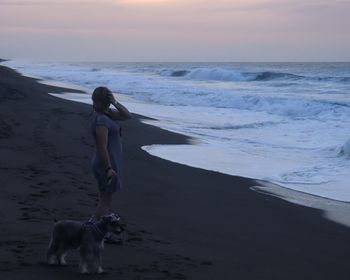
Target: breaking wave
<point>222,74</point>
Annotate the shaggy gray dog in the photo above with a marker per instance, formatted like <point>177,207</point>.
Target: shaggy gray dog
<point>87,237</point>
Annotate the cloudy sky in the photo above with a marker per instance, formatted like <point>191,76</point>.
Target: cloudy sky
<point>175,30</point>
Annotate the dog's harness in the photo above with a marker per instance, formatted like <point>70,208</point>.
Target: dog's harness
<point>92,226</point>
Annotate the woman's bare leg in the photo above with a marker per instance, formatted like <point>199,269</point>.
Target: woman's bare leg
<point>104,204</point>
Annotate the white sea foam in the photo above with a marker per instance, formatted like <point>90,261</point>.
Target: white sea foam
<point>284,123</point>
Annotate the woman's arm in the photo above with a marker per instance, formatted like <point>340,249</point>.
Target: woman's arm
<point>121,114</point>
<point>101,145</point>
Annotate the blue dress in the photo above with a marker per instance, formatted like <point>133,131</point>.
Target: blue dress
<point>114,147</point>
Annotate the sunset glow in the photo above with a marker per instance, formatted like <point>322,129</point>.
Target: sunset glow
<point>176,30</point>
<point>143,2</point>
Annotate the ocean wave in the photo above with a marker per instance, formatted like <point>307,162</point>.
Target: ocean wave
<point>293,107</point>
<point>243,126</point>
<point>289,102</point>
<point>218,74</point>
<point>267,76</point>
<point>345,79</point>
<point>344,150</point>
<point>179,73</point>
<point>222,74</point>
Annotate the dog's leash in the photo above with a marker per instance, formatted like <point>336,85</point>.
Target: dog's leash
<point>88,224</point>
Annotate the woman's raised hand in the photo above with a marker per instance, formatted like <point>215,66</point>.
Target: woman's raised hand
<point>111,98</point>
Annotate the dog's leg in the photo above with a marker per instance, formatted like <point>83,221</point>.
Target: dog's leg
<point>51,256</point>
<point>100,270</point>
<point>86,261</point>
<point>83,268</point>
<point>52,260</point>
<point>102,244</point>
<point>123,235</point>
<point>62,259</point>
<point>83,264</point>
<point>61,254</point>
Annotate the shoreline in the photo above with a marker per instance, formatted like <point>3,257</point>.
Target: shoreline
<point>335,210</point>
<point>183,222</point>
<point>295,196</point>
<point>232,161</point>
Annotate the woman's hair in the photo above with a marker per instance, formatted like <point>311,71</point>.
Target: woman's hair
<point>100,95</point>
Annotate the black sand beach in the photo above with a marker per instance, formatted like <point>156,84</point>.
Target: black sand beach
<point>183,222</point>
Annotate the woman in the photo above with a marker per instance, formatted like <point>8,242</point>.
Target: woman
<point>107,160</point>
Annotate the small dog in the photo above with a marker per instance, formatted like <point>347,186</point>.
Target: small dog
<point>87,237</point>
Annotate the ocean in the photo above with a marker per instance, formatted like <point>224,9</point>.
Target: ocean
<point>282,122</point>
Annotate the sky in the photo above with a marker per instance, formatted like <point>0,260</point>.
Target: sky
<point>175,30</point>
